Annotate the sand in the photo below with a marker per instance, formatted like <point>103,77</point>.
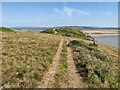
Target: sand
<point>101,32</point>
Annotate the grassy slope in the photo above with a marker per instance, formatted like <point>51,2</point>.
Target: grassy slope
<point>26,56</point>
<point>97,69</point>
<point>6,29</point>
<point>68,32</point>
<point>92,62</point>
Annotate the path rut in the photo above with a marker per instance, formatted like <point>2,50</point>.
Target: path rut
<point>49,75</point>
<point>75,81</point>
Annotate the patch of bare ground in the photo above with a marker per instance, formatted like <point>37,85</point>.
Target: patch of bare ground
<point>53,70</point>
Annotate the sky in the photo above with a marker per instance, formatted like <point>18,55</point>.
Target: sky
<point>50,14</point>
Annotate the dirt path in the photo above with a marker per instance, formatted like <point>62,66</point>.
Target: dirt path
<point>49,75</point>
<point>75,81</point>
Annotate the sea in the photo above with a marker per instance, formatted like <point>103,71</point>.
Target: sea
<point>109,40</point>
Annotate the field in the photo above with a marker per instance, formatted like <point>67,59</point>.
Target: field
<point>57,58</point>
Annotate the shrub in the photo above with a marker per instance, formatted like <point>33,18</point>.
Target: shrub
<point>94,66</point>
<point>76,43</point>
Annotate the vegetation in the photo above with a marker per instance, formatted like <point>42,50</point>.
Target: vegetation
<point>6,29</point>
<point>94,66</point>
<point>63,64</point>
<point>25,57</point>
<point>61,77</point>
<point>67,32</point>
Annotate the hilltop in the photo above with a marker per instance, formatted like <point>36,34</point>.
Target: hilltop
<point>67,32</point>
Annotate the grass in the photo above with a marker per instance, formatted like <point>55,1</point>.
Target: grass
<point>63,63</point>
<point>61,77</point>
<point>25,57</point>
<point>3,29</point>
<point>97,70</point>
<point>67,32</point>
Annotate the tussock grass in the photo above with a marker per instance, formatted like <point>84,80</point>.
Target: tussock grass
<point>26,56</point>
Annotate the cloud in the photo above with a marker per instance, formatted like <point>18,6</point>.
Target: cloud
<point>57,10</point>
<point>82,12</point>
<point>68,11</point>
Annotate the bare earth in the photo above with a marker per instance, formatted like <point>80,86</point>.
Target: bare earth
<point>49,75</point>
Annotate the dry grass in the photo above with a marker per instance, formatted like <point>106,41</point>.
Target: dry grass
<point>26,56</point>
<point>110,51</point>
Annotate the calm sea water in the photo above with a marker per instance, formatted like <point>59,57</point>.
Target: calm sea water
<point>109,40</point>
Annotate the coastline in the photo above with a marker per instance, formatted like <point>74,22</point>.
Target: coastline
<point>99,33</point>
<point>108,37</point>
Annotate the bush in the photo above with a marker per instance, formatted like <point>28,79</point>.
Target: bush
<point>94,66</point>
<point>101,73</point>
<point>76,43</point>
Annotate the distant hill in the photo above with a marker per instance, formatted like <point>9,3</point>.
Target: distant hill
<point>88,27</point>
<point>78,27</point>
<point>30,28</point>
<point>68,32</point>
<point>6,29</point>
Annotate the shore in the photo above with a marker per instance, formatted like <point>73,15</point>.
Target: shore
<point>101,32</point>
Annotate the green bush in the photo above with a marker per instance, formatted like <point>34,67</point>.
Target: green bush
<point>101,73</point>
<point>76,43</point>
<point>95,67</point>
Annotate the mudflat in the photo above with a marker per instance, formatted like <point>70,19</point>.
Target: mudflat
<point>101,32</point>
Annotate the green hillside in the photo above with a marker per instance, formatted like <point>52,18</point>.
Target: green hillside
<point>6,29</point>
<point>61,58</point>
<point>68,32</point>
<point>93,65</point>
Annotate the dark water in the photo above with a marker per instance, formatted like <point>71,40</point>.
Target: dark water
<point>109,40</point>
